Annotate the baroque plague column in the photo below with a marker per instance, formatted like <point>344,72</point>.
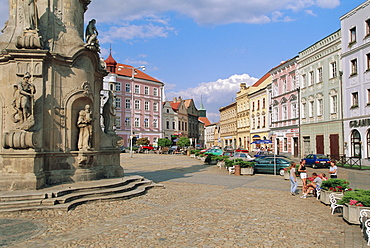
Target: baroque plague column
<point>51,79</point>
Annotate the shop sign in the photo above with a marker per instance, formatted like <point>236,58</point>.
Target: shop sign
<point>360,123</point>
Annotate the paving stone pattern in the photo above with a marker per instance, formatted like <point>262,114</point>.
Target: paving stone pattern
<point>200,206</point>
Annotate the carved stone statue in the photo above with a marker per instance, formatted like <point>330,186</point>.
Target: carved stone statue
<point>91,36</point>
<point>23,102</point>
<point>30,15</point>
<point>84,123</point>
<point>109,115</point>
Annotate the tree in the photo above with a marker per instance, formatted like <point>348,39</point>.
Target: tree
<point>164,142</point>
<point>143,141</point>
<point>183,141</point>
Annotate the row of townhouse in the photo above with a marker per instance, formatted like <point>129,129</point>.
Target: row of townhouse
<point>141,111</point>
<point>316,102</point>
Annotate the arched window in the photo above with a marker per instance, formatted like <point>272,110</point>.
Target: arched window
<point>356,144</point>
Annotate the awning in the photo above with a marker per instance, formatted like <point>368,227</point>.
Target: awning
<point>262,142</point>
<point>256,136</point>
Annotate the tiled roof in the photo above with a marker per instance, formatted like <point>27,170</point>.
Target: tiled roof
<point>261,80</point>
<point>205,121</point>
<point>127,72</point>
<point>175,105</point>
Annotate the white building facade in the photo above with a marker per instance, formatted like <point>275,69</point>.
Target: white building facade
<point>355,27</point>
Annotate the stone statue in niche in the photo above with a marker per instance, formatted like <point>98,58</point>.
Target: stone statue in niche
<point>30,15</point>
<point>109,115</point>
<point>84,123</point>
<point>91,37</point>
<point>23,103</point>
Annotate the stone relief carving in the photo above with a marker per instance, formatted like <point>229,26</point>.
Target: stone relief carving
<point>109,116</point>
<point>23,103</point>
<point>28,14</point>
<point>84,123</point>
<point>91,37</point>
<point>85,4</point>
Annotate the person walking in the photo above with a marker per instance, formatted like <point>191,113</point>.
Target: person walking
<point>303,174</point>
<point>333,170</point>
<point>293,179</point>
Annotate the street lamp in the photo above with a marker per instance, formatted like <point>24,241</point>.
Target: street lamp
<point>133,73</point>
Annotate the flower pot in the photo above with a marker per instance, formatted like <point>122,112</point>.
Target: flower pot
<point>247,171</point>
<point>351,213</point>
<point>192,155</point>
<point>203,159</point>
<point>324,196</point>
<point>286,175</point>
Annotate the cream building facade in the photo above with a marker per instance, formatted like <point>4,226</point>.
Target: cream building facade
<point>228,125</point>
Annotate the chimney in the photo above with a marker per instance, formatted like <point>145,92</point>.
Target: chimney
<point>174,99</point>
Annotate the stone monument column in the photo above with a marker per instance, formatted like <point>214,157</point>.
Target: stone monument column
<point>48,74</point>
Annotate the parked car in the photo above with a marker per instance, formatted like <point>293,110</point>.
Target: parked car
<point>213,151</point>
<point>228,148</point>
<point>242,155</point>
<point>144,148</point>
<point>228,154</point>
<point>263,153</point>
<point>173,149</point>
<point>267,165</point>
<point>317,161</point>
<point>241,149</point>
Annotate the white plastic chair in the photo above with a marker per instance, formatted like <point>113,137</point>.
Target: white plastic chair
<point>318,192</point>
<point>334,197</point>
<point>365,224</point>
<point>231,170</point>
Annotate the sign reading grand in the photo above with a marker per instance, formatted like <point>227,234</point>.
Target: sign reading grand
<point>360,123</point>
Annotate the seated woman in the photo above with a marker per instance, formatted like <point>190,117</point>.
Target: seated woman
<point>313,185</point>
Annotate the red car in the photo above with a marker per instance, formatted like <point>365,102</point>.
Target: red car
<point>241,149</point>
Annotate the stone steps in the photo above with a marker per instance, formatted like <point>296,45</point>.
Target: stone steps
<point>69,196</point>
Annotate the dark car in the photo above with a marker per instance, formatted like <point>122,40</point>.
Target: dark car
<point>263,153</point>
<point>268,164</point>
<point>317,161</point>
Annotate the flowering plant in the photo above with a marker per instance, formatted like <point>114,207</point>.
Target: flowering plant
<point>335,185</point>
<point>357,197</point>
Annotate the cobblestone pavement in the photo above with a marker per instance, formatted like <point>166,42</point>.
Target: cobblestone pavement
<point>200,206</point>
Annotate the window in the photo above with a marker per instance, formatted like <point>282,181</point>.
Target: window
<point>285,144</point>
<point>368,61</point>
<point>137,89</point>
<point>146,106</point>
<point>128,88</point>
<point>352,32</point>
<point>258,105</point>
<point>320,107</point>
<point>146,123</point>
<point>311,79</point>
<point>354,99</point>
<point>263,103</point>
<point>284,86</point>
<point>118,102</point>
<point>368,96</point>
<point>167,125</point>
<point>127,122</point>
<point>319,75</point>
<point>334,104</point>
<point>276,114</point>
<point>146,90</point>
<point>310,109</point>
<point>367,24</point>
<point>155,107</point>
<point>333,70</point>
<point>303,114</point>
<point>368,143</point>
<point>259,122</point>
<point>253,123</point>
<point>155,92</point>
<point>128,103</point>
<point>118,86</point>
<point>353,67</point>
<point>285,112</point>
<point>137,104</point>
<point>294,110</point>
<point>137,122</point>
<point>252,106</point>
<point>173,125</point>
<point>118,123</point>
<point>275,92</point>
<point>263,122</point>
<point>356,144</point>
<point>304,80</point>
<point>155,123</point>
<point>111,86</point>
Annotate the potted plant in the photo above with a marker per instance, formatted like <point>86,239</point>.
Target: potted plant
<point>246,167</point>
<point>353,202</point>
<point>212,159</point>
<point>192,153</point>
<point>330,186</point>
<point>221,161</point>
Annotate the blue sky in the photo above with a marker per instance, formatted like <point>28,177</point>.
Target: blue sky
<point>208,47</point>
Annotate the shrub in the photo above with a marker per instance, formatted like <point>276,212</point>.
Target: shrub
<point>358,197</point>
<point>243,164</point>
<point>335,185</point>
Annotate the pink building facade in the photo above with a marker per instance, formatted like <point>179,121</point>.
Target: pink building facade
<point>138,102</point>
<point>285,108</point>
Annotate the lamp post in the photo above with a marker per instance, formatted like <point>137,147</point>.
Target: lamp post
<point>133,73</point>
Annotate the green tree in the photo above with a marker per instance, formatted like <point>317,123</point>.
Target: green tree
<point>143,141</point>
<point>164,142</point>
<point>183,141</point>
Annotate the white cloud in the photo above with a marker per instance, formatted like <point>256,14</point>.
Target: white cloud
<point>204,12</point>
<point>214,94</point>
